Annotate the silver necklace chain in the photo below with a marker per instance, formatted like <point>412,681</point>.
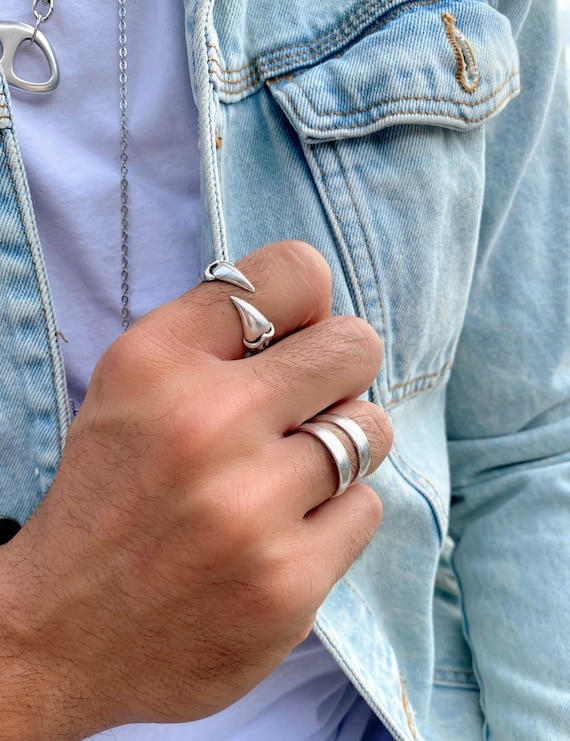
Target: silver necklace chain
<point>125,315</point>
<point>40,17</point>
<point>12,36</point>
<point>9,44</point>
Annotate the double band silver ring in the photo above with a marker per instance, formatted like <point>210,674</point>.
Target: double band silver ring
<point>337,449</point>
<point>356,434</point>
<point>258,331</point>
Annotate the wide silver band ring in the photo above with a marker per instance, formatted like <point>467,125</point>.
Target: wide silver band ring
<point>337,451</point>
<point>356,434</point>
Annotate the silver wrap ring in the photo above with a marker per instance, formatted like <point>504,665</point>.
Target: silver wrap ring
<point>337,451</point>
<point>227,273</point>
<point>356,434</point>
<point>258,331</point>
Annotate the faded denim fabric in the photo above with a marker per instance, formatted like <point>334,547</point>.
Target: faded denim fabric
<point>391,135</point>
<point>33,393</point>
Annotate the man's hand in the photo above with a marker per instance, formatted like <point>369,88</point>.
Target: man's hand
<point>189,538</point>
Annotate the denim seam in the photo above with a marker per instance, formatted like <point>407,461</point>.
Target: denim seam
<point>349,265</point>
<point>470,686</point>
<point>5,156</point>
<point>324,41</point>
<point>423,377</point>
<point>394,402</point>
<point>391,114</point>
<point>387,718</point>
<point>466,635</point>
<point>4,105</point>
<point>400,99</point>
<point>459,672</point>
<point>435,378</point>
<point>409,473</point>
<point>406,705</point>
<point>350,586</point>
<point>211,170</point>
<point>5,115</point>
<point>366,242</point>
<point>361,306</point>
<point>261,69</point>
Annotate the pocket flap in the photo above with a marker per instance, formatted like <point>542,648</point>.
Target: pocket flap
<point>435,63</point>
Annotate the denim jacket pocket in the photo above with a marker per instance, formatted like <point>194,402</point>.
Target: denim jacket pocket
<point>391,127</point>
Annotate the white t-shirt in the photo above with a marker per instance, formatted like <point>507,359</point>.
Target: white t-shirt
<point>70,142</point>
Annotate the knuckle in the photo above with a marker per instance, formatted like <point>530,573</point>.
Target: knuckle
<point>304,260</point>
<point>296,258</point>
<point>133,355</point>
<point>366,516</point>
<point>357,337</point>
<point>376,425</point>
<point>349,340</point>
<point>379,430</point>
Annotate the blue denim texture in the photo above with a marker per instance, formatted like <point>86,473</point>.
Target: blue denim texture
<point>392,136</point>
<point>33,393</point>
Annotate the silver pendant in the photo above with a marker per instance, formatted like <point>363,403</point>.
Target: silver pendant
<point>12,36</point>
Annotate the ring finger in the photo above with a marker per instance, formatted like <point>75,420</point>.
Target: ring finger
<point>311,467</point>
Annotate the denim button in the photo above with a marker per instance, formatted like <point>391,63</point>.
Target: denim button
<point>8,528</point>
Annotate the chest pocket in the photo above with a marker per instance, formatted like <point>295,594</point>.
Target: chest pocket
<point>391,128</point>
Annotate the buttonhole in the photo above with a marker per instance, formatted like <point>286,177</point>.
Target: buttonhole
<point>467,73</point>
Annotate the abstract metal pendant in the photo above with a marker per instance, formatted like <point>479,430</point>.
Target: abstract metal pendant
<point>13,35</point>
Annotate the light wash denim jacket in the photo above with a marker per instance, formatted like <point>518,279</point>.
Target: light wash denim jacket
<point>391,135</point>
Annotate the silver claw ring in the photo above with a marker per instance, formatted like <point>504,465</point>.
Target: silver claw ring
<point>258,331</point>
<point>337,451</point>
<point>227,273</point>
<point>356,434</point>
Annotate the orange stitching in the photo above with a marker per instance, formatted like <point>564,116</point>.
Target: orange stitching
<point>325,39</point>
<point>408,709</point>
<point>433,376</point>
<point>425,377</point>
<point>415,392</point>
<point>260,68</point>
<point>403,113</point>
<point>464,54</point>
<point>390,723</point>
<point>402,99</point>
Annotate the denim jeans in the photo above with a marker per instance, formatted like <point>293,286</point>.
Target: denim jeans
<point>422,146</point>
